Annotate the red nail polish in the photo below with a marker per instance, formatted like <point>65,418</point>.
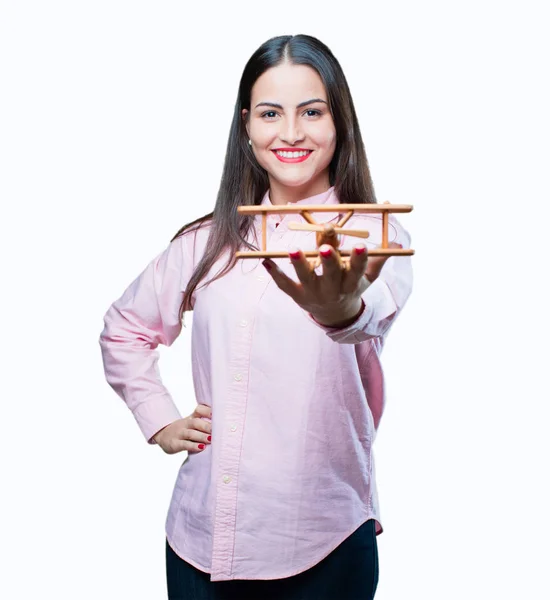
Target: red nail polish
<point>295,255</point>
<point>209,438</point>
<point>201,446</point>
<point>326,253</point>
<point>360,250</point>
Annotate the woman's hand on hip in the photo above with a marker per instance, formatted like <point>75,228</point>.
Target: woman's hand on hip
<point>189,433</point>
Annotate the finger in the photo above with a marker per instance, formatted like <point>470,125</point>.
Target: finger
<point>191,440</point>
<point>189,446</point>
<point>282,281</point>
<point>358,263</point>
<point>176,444</point>
<point>198,435</point>
<point>201,425</point>
<point>203,410</point>
<point>376,263</point>
<point>332,269</point>
<point>195,436</point>
<point>305,273</point>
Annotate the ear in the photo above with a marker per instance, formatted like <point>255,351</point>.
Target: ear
<point>244,114</point>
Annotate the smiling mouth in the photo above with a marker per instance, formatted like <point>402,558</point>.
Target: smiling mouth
<point>292,156</point>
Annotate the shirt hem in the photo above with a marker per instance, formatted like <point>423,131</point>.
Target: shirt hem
<point>301,569</point>
<point>332,549</point>
<point>186,559</point>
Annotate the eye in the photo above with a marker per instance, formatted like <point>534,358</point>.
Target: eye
<point>314,111</point>
<point>270,114</point>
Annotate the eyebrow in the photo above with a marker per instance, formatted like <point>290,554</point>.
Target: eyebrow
<point>302,104</point>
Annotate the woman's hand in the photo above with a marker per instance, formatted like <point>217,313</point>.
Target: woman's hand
<point>334,298</point>
<point>187,433</point>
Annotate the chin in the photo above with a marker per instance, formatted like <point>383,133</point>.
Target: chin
<point>295,181</point>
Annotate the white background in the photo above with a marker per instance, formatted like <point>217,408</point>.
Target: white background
<point>114,118</point>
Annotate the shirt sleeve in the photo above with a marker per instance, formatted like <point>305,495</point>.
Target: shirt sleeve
<point>145,316</point>
<point>383,299</point>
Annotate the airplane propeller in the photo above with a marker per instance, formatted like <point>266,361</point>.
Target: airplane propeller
<point>360,233</point>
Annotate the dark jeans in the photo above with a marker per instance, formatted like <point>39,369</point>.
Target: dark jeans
<point>350,572</point>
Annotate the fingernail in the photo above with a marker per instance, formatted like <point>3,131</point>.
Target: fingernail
<point>209,438</point>
<point>360,249</point>
<point>294,254</point>
<point>201,446</point>
<point>267,265</point>
<point>326,251</point>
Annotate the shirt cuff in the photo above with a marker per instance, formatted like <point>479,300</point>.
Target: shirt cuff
<point>379,312</point>
<point>154,414</point>
<point>353,333</point>
<point>331,328</point>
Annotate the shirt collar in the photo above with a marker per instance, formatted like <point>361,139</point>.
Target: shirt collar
<point>327,197</point>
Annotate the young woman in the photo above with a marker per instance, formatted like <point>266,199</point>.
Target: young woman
<point>277,497</point>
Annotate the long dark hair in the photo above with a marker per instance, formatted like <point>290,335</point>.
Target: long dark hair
<point>245,182</point>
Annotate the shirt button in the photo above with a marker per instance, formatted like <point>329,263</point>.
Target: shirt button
<point>237,377</point>
<point>233,428</point>
<point>243,323</point>
<point>226,479</point>
<point>260,278</point>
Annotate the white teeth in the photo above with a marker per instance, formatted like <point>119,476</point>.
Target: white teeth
<point>292,154</point>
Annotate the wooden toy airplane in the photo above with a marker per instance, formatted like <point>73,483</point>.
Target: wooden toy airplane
<point>327,233</point>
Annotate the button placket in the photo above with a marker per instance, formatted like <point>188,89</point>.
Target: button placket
<point>231,443</point>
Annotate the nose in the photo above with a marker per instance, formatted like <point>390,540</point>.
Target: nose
<point>290,132</point>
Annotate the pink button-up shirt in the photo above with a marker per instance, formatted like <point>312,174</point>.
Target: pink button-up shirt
<point>295,406</point>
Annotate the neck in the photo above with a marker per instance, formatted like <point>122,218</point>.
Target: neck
<point>283,194</point>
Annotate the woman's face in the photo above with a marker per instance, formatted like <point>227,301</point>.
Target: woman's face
<point>292,131</point>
